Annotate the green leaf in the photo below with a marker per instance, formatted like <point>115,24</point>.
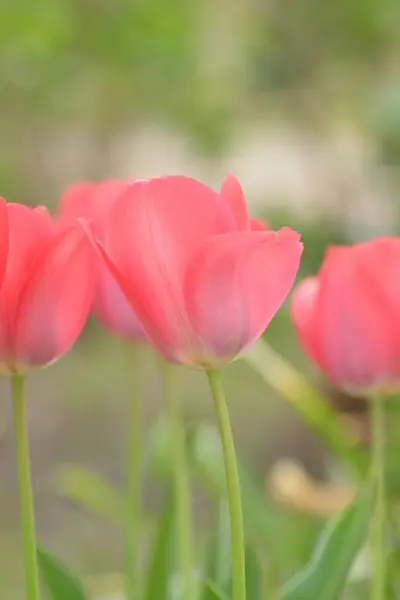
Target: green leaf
<point>215,592</point>
<point>61,583</point>
<point>218,558</point>
<point>326,575</point>
<point>253,575</point>
<point>92,492</point>
<point>159,571</point>
<point>281,376</point>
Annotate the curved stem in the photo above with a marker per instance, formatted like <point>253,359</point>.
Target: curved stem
<point>25,489</point>
<point>181,483</point>
<point>134,467</point>
<point>378,466</point>
<point>233,485</point>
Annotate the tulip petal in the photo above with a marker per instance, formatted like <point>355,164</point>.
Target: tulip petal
<point>381,269</point>
<point>355,341</point>
<point>112,308</point>
<point>30,231</point>
<point>89,200</point>
<point>235,285</point>
<point>154,229</point>
<point>258,225</point>
<point>379,260</point>
<point>76,201</point>
<point>232,192</point>
<point>302,308</point>
<point>92,201</point>
<point>56,299</point>
<point>29,234</point>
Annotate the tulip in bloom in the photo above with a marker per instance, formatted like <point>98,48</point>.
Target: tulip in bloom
<point>47,282</point>
<point>204,279</point>
<point>348,316</point>
<point>93,201</point>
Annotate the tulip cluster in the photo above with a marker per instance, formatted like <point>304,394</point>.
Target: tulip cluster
<point>168,261</point>
<point>174,264</point>
<point>201,277</point>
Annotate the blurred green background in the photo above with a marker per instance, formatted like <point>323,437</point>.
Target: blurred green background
<point>301,99</point>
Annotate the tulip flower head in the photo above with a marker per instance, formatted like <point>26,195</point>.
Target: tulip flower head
<point>203,278</point>
<point>47,282</point>
<point>348,316</point>
<point>92,201</point>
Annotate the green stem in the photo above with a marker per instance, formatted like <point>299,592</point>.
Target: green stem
<point>233,485</point>
<point>25,489</point>
<point>134,467</point>
<point>181,483</point>
<point>378,466</point>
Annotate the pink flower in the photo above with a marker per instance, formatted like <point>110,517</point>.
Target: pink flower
<point>93,202</point>
<point>348,317</point>
<point>46,287</point>
<point>204,284</point>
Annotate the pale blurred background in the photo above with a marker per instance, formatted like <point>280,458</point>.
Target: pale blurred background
<point>299,98</point>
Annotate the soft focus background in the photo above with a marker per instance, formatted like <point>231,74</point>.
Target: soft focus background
<point>300,99</point>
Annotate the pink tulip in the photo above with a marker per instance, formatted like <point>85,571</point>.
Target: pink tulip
<point>348,317</point>
<point>93,201</point>
<point>204,284</point>
<point>46,289</point>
